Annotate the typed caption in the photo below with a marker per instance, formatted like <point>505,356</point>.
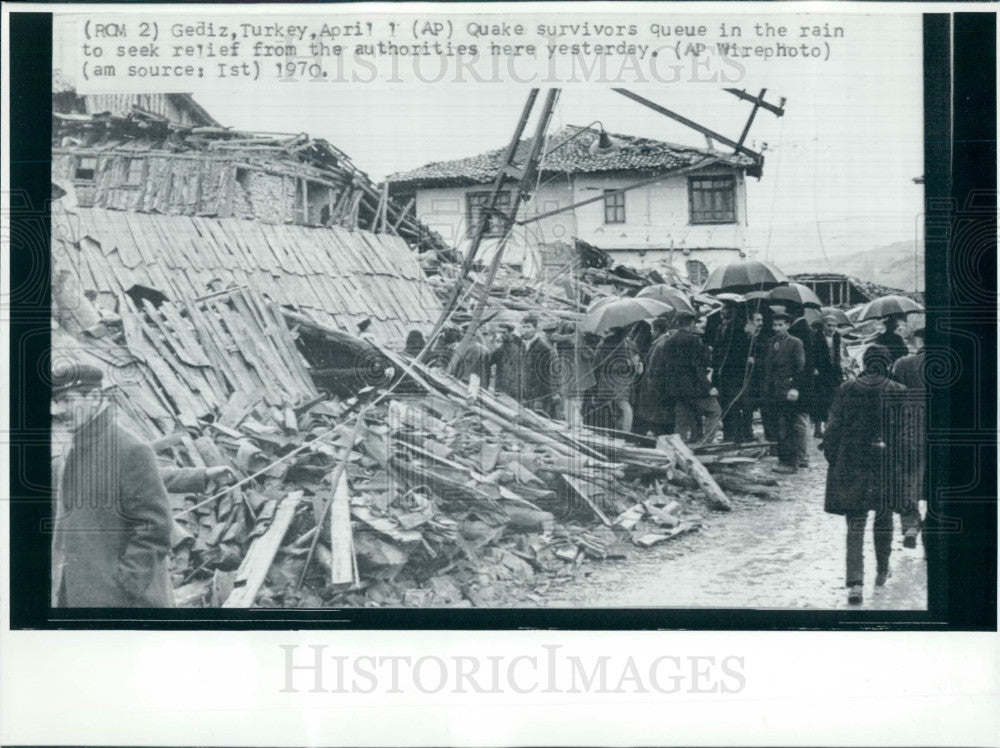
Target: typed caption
<point>161,52</point>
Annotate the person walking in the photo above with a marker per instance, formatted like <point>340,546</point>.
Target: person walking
<point>688,387</point>
<point>508,358</point>
<point>539,387</point>
<point>618,366</point>
<point>653,416</point>
<point>575,373</point>
<point>784,376</point>
<point>732,369</point>
<point>863,441</point>
<point>829,373</point>
<point>890,338</point>
<point>910,371</point>
<point>112,524</point>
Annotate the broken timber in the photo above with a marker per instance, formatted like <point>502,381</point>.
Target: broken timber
<point>252,572</point>
<point>717,499</point>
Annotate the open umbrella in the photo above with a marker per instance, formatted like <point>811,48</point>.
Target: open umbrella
<point>839,314</point>
<point>621,313</point>
<point>743,276</point>
<point>795,293</point>
<point>668,295</point>
<point>888,306</point>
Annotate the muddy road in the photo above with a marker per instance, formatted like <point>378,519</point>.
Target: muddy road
<point>782,553</point>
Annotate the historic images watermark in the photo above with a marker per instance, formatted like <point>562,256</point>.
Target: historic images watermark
<point>318,668</point>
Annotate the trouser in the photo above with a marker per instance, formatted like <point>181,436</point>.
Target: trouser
<point>881,534</point>
<point>793,431</point>
<point>737,423</point>
<point>573,411</point>
<point>697,419</point>
<point>909,518</point>
<point>769,420</point>
<point>624,413</point>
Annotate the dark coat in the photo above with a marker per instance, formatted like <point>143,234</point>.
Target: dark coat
<point>730,357</point>
<point>829,374</point>
<point>892,341</point>
<point>652,405</point>
<point>576,364</point>
<point>784,368</point>
<point>687,366</point>
<point>539,370</point>
<point>909,371</point>
<point>616,365</point>
<point>112,529</point>
<point>869,450</point>
<point>508,357</point>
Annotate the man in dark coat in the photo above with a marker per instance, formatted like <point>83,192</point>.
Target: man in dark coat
<point>829,373</point>
<point>652,414</point>
<point>508,357</point>
<point>575,370</point>
<point>910,371</point>
<point>892,340</point>
<point>687,383</point>
<point>618,367</point>
<point>784,381</point>
<point>863,444</point>
<point>112,525</point>
<point>539,368</point>
<point>733,366</point>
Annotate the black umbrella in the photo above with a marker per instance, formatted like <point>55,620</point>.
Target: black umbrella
<point>795,293</point>
<point>743,276</point>
<point>888,306</point>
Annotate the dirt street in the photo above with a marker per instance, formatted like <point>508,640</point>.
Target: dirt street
<point>785,553</point>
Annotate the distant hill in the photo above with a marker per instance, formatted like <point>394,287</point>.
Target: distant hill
<point>890,265</point>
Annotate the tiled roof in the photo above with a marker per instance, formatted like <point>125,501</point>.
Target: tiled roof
<point>335,276</point>
<point>579,155</point>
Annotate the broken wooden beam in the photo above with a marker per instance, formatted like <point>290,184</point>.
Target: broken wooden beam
<point>253,571</point>
<point>687,462</point>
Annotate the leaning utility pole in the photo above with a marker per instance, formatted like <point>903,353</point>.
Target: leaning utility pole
<point>524,176</point>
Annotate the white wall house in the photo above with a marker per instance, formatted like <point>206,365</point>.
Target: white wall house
<point>693,219</point>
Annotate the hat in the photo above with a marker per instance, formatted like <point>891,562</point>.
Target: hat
<point>80,377</point>
<point>684,316</point>
<point>779,312</point>
<point>830,318</point>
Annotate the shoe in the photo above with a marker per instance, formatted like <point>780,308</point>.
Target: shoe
<point>855,596</point>
<point>882,576</point>
<point>783,468</point>
<point>910,539</point>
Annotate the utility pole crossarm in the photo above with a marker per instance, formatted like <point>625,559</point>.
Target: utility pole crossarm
<point>690,123</point>
<point>777,111</point>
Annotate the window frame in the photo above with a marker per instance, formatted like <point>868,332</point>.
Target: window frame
<point>694,215</point>
<point>472,216</point>
<point>125,166</point>
<point>617,206</point>
<point>77,165</point>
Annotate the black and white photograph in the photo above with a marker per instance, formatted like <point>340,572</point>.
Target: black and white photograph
<point>520,328</point>
<point>582,346</point>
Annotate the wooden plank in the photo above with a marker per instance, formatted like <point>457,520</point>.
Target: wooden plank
<point>690,464</point>
<point>577,486</point>
<point>343,566</point>
<point>253,571</point>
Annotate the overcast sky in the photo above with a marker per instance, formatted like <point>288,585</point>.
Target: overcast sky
<point>839,167</point>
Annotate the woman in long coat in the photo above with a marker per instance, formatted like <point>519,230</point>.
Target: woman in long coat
<point>867,447</point>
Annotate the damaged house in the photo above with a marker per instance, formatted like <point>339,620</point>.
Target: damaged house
<point>692,220</point>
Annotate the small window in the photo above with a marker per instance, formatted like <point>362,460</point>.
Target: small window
<point>476,202</point>
<point>614,206</point>
<point>131,174</point>
<point>697,273</point>
<point>86,169</point>
<point>713,199</point>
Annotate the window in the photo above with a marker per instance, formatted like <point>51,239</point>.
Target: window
<point>131,172</point>
<point>614,206</point>
<point>713,199</point>
<point>86,169</point>
<point>697,273</point>
<point>475,203</point>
